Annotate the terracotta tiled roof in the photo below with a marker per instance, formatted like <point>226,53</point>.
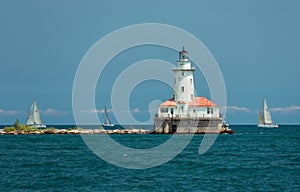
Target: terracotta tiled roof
<point>196,102</point>
<point>169,102</point>
<point>201,102</point>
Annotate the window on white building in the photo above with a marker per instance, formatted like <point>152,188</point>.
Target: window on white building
<point>211,110</point>
<point>182,89</point>
<point>192,96</point>
<point>208,110</point>
<point>182,73</point>
<point>191,81</point>
<point>164,110</point>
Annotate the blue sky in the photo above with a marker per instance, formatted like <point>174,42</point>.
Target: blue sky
<point>256,45</point>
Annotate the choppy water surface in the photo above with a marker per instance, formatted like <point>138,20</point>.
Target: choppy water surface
<point>251,160</point>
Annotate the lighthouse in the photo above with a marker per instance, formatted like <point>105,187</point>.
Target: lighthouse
<point>183,79</point>
<point>185,112</point>
<point>183,82</point>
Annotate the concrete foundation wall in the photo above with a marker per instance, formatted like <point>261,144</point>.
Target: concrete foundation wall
<point>187,125</point>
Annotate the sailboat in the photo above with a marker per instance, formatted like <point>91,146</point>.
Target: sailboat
<point>34,118</point>
<point>107,123</point>
<point>265,119</point>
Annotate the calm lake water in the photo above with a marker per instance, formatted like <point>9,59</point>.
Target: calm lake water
<point>251,160</point>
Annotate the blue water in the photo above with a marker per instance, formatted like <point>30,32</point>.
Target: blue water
<point>251,160</point>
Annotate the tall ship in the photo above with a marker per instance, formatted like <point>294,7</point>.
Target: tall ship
<point>265,119</point>
<point>34,118</point>
<point>185,112</point>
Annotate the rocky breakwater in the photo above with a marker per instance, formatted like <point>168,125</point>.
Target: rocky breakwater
<point>72,131</point>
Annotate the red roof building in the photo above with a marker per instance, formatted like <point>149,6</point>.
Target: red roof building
<point>201,102</point>
<point>196,102</point>
<point>168,103</point>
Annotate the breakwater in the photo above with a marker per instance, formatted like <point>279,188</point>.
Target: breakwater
<point>100,131</point>
<point>75,131</point>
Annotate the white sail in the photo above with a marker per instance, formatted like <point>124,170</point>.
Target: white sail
<point>106,118</point>
<point>30,118</point>
<point>36,114</point>
<point>34,118</point>
<point>107,121</point>
<point>265,119</point>
<point>267,116</point>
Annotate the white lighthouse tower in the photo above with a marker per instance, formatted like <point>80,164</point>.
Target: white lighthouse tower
<point>183,79</point>
<point>183,83</point>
